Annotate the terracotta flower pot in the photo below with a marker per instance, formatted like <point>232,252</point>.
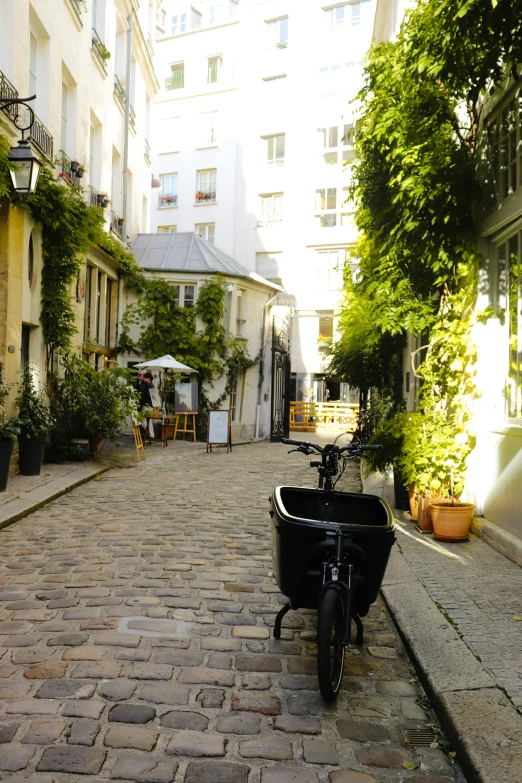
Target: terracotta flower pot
<point>424,515</point>
<point>451,521</point>
<point>414,506</point>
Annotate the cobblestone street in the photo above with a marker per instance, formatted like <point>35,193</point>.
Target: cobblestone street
<point>135,641</point>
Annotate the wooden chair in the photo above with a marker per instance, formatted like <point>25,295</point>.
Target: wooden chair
<point>138,442</point>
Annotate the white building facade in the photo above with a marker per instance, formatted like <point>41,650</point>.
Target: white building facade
<point>251,134</point>
<point>90,64</point>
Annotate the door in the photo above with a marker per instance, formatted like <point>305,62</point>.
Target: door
<point>280,425</point>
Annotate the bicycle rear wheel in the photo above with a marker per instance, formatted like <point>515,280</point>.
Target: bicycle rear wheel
<point>330,648</point>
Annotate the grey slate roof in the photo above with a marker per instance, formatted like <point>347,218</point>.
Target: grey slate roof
<point>188,252</point>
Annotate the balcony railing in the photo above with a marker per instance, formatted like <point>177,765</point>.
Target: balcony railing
<point>119,90</point>
<point>93,197</point>
<point>205,197</point>
<point>132,120</point>
<point>269,220</point>
<point>168,200</point>
<point>41,137</point>
<point>99,49</point>
<point>80,7</point>
<point>39,134</point>
<point>65,171</point>
<point>117,224</point>
<point>146,151</point>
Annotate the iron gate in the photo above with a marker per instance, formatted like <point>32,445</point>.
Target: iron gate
<point>280,380</point>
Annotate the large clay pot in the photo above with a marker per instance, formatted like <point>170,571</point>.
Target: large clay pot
<point>401,493</point>
<point>451,521</point>
<point>424,515</point>
<point>414,506</point>
<point>6,450</point>
<point>30,455</point>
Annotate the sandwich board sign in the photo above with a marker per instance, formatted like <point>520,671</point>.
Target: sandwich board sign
<point>219,430</point>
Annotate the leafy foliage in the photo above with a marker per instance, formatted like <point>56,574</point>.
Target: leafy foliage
<point>416,181</point>
<point>35,416</point>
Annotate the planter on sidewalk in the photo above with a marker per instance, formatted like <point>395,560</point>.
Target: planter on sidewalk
<point>402,500</point>
<point>451,520</point>
<point>30,454</point>
<point>6,452</point>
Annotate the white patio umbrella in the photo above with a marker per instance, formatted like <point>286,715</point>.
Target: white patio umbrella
<point>165,363</point>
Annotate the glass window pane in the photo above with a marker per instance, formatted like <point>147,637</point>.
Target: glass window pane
<point>188,300</point>
<point>331,198</point>
<point>330,158</point>
<point>333,134</point>
<point>320,203</point>
<point>283,31</point>
<point>514,389</point>
<point>280,147</point>
<point>321,137</point>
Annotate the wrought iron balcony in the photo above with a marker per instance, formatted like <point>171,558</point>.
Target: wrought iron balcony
<point>117,224</point>
<point>93,197</point>
<point>80,7</point>
<point>39,135</point>
<point>99,49</point>
<point>132,120</point>
<point>146,152</point>
<point>119,91</point>
<point>168,200</point>
<point>66,171</point>
<point>205,197</point>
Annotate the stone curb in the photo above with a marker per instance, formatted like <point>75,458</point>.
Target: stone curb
<point>497,538</point>
<point>21,507</point>
<point>479,720</point>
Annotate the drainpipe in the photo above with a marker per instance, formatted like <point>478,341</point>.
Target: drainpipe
<point>262,365</point>
<point>126,126</point>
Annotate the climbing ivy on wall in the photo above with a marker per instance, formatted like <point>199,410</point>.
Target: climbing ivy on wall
<point>417,180</point>
<point>69,228</point>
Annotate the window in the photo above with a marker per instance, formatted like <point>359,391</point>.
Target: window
<point>207,231</point>
<point>215,14</point>
<point>233,400</point>
<point>179,23</point>
<point>208,124</point>
<point>241,310</point>
<point>98,16</point>
<point>276,149</point>
<point>326,204</point>
<point>278,33</point>
<point>325,325</point>
<point>24,348</point>
<point>340,79</point>
<point>64,115</point>
<point>184,295</point>
<point>188,295</point>
<point>330,265</point>
<point>206,186</point>
<point>215,65</point>
<point>345,15</point>
<point>108,313</point>
<point>509,302</point>
<point>87,312</point>
<point>33,58</point>
<point>167,229</point>
<point>176,80</point>
<point>329,140</point>
<point>271,209</point>
<point>30,260</point>
<point>168,196</point>
<point>508,150</point>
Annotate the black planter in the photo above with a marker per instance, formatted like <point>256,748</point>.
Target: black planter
<point>402,500</point>
<point>6,450</point>
<point>30,456</point>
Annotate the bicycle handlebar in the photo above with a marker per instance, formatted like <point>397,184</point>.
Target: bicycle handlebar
<point>350,447</point>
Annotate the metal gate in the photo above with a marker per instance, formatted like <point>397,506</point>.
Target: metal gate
<point>280,380</point>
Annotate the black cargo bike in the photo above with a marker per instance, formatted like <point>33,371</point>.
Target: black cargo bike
<point>330,551</point>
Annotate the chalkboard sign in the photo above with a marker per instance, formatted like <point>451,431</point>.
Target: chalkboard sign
<point>218,429</point>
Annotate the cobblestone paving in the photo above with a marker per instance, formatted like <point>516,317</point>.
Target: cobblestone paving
<point>480,591</point>
<point>135,643</point>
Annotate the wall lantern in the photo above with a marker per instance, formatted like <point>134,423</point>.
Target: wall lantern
<point>25,165</point>
<point>26,168</point>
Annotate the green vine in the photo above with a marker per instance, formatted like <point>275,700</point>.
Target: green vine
<point>69,228</point>
<point>417,183</point>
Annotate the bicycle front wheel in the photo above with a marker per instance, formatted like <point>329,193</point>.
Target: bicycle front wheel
<point>344,439</point>
<point>330,648</point>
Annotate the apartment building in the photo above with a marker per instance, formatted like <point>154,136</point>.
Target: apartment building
<point>90,64</point>
<point>252,147</point>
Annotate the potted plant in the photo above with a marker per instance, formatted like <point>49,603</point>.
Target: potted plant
<point>199,196</point>
<point>9,430</point>
<point>36,422</point>
<point>389,435</point>
<point>451,517</point>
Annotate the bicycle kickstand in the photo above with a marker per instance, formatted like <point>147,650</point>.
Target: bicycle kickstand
<point>278,620</point>
<point>359,637</point>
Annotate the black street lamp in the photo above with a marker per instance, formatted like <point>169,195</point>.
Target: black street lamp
<point>26,166</point>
